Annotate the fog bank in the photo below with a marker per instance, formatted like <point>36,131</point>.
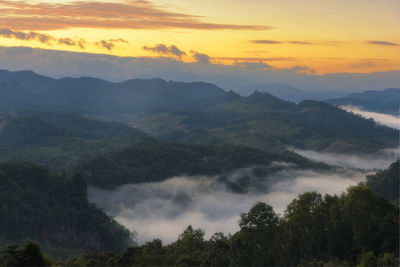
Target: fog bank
<point>379,160</point>
<point>164,209</point>
<point>388,120</point>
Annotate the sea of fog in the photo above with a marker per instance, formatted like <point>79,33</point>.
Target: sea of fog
<point>164,209</point>
<point>391,121</point>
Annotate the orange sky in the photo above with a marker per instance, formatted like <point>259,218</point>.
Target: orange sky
<point>325,36</point>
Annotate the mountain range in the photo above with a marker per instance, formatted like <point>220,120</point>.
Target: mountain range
<point>199,113</point>
<point>385,101</point>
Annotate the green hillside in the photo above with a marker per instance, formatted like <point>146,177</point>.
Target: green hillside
<point>61,139</point>
<point>53,209</point>
<point>386,183</point>
<point>159,161</point>
<point>357,228</point>
<point>264,121</point>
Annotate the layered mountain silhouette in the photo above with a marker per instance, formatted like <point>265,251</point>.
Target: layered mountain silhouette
<point>385,101</point>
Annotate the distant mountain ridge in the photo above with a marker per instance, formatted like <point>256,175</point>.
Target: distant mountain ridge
<point>289,93</point>
<point>26,90</point>
<point>385,101</point>
<point>267,122</point>
<point>195,112</point>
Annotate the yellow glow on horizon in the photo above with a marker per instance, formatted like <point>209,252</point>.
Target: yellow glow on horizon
<point>338,33</point>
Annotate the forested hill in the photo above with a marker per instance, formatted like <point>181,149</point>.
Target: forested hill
<point>60,139</point>
<point>198,112</point>
<point>357,228</point>
<point>53,209</point>
<point>386,183</point>
<point>264,121</point>
<point>159,161</point>
<point>385,101</point>
<point>26,90</point>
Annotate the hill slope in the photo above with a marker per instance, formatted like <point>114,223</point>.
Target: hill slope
<point>264,121</point>
<point>60,139</point>
<point>385,101</point>
<point>50,208</point>
<point>159,161</point>
<point>27,90</point>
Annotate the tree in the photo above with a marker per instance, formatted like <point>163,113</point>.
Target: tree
<point>256,242</point>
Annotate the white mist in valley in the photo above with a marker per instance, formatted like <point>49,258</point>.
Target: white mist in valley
<point>164,209</point>
<point>379,160</point>
<point>380,118</point>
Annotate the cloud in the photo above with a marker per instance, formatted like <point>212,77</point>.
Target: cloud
<point>303,69</point>
<point>70,42</point>
<point>257,59</point>
<point>119,40</point>
<point>66,41</point>
<point>27,36</point>
<point>265,42</point>
<point>105,44</point>
<point>201,58</point>
<point>164,209</point>
<point>165,50</point>
<point>329,43</point>
<point>380,160</point>
<point>301,43</point>
<point>230,77</point>
<point>43,38</point>
<point>382,43</point>
<point>132,14</point>
<point>391,121</point>
<point>252,65</point>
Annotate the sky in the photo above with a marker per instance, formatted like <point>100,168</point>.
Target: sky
<point>313,36</point>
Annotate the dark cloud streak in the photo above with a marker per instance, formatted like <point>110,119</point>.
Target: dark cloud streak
<point>165,50</point>
<point>27,36</point>
<point>382,43</point>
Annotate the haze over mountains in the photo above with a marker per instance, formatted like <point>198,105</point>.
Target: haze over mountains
<point>385,101</point>
<point>157,154</point>
<point>290,93</point>
<point>234,77</point>
<point>198,113</point>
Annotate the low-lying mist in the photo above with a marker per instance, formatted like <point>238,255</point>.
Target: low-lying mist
<point>379,160</point>
<point>164,209</point>
<point>391,121</point>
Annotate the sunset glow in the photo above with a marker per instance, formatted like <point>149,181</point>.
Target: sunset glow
<point>321,36</point>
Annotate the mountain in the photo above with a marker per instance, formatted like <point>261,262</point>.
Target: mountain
<point>266,122</point>
<point>385,101</point>
<point>29,91</point>
<point>190,112</point>
<point>289,93</point>
<point>386,183</point>
<point>158,161</point>
<point>60,139</point>
<point>54,210</point>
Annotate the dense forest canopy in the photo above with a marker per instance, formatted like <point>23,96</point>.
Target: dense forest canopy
<point>386,183</point>
<point>52,208</point>
<point>59,136</point>
<point>198,113</point>
<point>357,227</point>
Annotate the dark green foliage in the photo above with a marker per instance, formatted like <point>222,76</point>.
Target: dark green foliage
<point>28,255</point>
<point>264,121</point>
<point>198,113</point>
<point>356,228</point>
<point>58,140</point>
<point>386,183</point>
<point>256,242</point>
<point>53,209</point>
<point>158,161</point>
